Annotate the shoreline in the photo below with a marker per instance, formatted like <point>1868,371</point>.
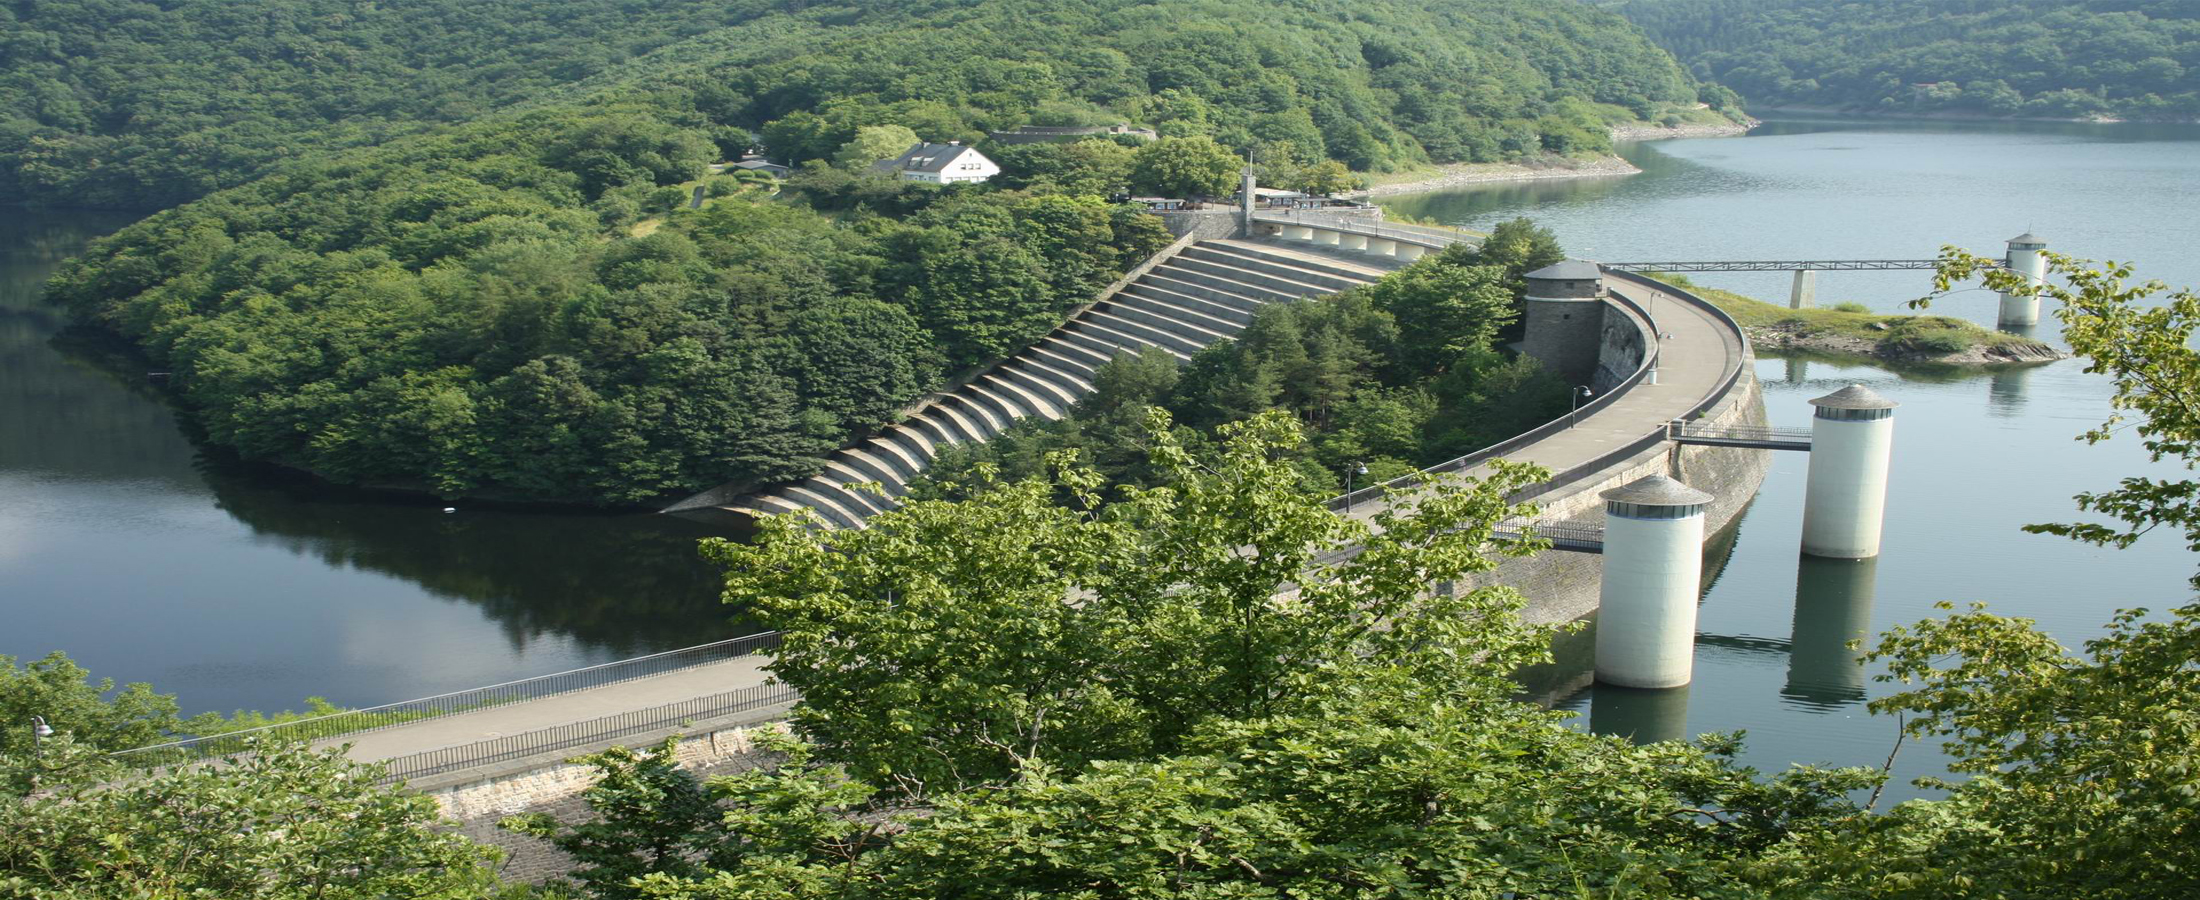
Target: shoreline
<point>1450,175</point>
<point>1649,131</point>
<point>1461,174</point>
<point>1778,341</point>
<point>1958,116</point>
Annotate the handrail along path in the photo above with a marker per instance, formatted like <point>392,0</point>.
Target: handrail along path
<point>1697,351</point>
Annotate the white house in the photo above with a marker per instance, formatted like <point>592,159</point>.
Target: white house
<point>948,163</point>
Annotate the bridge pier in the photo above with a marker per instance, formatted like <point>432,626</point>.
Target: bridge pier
<point>1845,494</point>
<point>2022,310</point>
<point>1803,294</point>
<point>1653,574</point>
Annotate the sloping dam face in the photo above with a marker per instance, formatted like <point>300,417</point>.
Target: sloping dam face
<point>1206,293</point>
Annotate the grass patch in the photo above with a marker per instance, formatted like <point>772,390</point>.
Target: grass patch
<point>1888,335</point>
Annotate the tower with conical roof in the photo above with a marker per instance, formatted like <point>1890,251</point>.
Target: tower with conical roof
<point>1845,494</point>
<point>1564,319</point>
<point>1653,574</point>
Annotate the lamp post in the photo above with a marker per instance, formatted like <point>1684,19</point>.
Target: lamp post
<point>1579,393</point>
<point>40,731</point>
<point>1358,468</point>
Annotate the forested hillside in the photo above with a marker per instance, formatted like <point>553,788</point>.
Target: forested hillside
<point>521,306</point>
<point>135,104</point>
<point>142,105</point>
<point>1393,376</point>
<point>2137,59</point>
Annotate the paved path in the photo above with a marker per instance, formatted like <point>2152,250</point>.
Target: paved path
<point>549,712</point>
<point>1693,362</point>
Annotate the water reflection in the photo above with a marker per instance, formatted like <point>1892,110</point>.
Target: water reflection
<point>1833,606</point>
<point>2005,391</point>
<point>240,586</point>
<point>1797,371</point>
<point>1643,716</point>
<point>629,584</point>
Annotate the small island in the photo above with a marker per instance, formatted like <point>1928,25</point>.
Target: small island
<point>1850,329</point>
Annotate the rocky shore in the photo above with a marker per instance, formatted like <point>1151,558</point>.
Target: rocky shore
<point>1460,174</point>
<point>1649,131</point>
<point>2010,351</point>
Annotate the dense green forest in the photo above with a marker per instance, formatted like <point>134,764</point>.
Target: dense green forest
<point>1394,377</point>
<point>2136,59</point>
<point>521,306</point>
<point>135,104</point>
<point>142,105</point>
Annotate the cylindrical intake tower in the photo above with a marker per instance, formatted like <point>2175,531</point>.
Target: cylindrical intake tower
<point>1845,495</point>
<point>2023,309</point>
<point>1653,573</point>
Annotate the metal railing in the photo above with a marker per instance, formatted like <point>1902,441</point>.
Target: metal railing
<point>390,715</point>
<point>584,734</point>
<point>1518,441</point>
<point>1314,219</point>
<point>1562,535</point>
<point>1780,434</point>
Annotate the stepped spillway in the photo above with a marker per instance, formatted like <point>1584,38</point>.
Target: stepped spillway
<point>1204,294</point>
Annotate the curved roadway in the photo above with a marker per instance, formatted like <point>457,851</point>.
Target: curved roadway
<point>1695,360</point>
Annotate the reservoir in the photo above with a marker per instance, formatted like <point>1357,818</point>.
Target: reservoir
<point>148,559</point>
<point>1977,453</point>
<point>234,586</point>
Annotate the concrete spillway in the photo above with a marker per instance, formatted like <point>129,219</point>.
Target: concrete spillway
<point>1204,294</point>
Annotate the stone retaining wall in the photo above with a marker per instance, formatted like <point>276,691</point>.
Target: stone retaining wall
<point>1562,586</point>
<point>556,788</point>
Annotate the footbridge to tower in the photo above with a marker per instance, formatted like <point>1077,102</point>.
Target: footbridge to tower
<point>2018,310</point>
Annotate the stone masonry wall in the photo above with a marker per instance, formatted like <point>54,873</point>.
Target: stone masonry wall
<point>1562,586</point>
<point>556,790</point>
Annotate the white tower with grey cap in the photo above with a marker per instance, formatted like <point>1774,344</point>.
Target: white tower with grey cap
<point>2022,310</point>
<point>1653,572</point>
<point>1845,495</point>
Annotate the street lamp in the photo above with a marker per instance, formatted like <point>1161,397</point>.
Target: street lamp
<point>1579,393</point>
<point>1358,468</point>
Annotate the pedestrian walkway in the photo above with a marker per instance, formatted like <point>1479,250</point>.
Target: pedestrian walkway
<point>1698,352</point>
<point>509,719</point>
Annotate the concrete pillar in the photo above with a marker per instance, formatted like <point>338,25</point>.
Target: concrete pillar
<point>1804,293</point>
<point>1640,716</point>
<point>1833,606</point>
<point>1350,241</point>
<point>1381,247</point>
<point>1845,495</point>
<point>1410,251</point>
<point>1653,575</point>
<point>1245,203</point>
<point>1297,233</point>
<point>1327,237</point>
<point>2021,310</point>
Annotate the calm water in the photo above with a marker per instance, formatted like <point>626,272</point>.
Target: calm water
<point>1976,454</point>
<point>146,559</point>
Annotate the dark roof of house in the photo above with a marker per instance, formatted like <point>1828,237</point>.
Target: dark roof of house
<point>2028,238</point>
<point>1568,270</point>
<point>924,157</point>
